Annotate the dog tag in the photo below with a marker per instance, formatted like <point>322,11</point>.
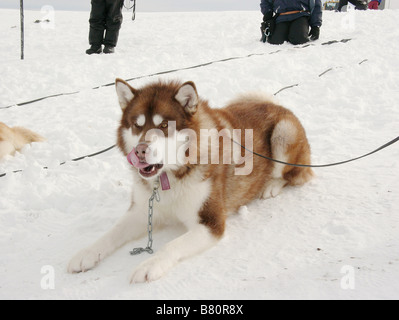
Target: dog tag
<point>134,160</point>
<point>164,181</point>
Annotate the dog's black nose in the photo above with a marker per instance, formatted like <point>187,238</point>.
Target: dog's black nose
<point>141,151</point>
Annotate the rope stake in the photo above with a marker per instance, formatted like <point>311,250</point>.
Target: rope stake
<point>22,30</point>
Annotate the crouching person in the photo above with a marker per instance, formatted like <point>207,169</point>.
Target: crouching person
<point>295,21</point>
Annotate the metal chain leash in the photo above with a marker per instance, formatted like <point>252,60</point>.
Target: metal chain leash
<point>155,196</point>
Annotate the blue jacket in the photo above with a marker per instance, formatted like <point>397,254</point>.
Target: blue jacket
<point>311,8</point>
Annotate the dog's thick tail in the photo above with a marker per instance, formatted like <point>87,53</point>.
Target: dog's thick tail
<point>28,135</point>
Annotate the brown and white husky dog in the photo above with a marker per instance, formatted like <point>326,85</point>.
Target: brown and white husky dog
<point>14,139</point>
<point>174,133</point>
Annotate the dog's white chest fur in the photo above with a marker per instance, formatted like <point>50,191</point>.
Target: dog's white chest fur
<point>180,203</point>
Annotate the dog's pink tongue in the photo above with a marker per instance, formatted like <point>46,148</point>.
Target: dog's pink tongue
<point>135,161</point>
<point>164,181</point>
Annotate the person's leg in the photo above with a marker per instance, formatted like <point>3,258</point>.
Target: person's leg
<point>342,3</point>
<point>373,5</point>
<point>299,31</point>
<point>280,33</point>
<point>97,23</point>
<point>359,4</point>
<point>113,22</point>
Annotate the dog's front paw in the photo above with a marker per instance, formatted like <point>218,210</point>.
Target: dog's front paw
<point>83,261</point>
<point>274,188</point>
<point>151,270</point>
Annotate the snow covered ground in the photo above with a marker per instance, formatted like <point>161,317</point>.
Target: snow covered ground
<point>335,238</point>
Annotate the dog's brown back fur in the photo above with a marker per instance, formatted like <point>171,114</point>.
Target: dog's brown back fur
<point>232,191</point>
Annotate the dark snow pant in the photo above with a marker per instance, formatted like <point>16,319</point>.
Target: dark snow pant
<point>106,16</point>
<point>296,32</point>
<point>360,4</point>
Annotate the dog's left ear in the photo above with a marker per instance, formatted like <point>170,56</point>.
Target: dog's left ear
<point>125,93</point>
<point>187,96</point>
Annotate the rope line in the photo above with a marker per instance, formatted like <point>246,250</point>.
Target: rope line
<point>173,71</point>
<point>320,165</point>
<point>75,160</point>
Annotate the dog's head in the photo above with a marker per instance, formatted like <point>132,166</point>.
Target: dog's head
<point>156,124</point>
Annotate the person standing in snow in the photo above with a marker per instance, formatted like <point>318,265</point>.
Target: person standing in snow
<point>105,22</point>
<point>359,4</point>
<point>290,20</point>
<point>373,5</point>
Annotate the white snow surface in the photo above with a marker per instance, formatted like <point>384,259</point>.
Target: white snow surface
<point>340,230</point>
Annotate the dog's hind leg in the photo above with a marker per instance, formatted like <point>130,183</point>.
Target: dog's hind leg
<point>283,136</point>
<point>288,144</point>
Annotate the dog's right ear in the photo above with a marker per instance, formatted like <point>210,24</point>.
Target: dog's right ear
<point>187,96</point>
<point>125,93</point>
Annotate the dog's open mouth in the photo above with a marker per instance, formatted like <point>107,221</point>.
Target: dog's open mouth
<point>151,170</point>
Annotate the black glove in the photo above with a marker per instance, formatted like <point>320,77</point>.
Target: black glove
<point>314,33</point>
<point>267,27</point>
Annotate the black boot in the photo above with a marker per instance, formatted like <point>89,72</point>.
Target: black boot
<point>94,50</point>
<point>109,49</point>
